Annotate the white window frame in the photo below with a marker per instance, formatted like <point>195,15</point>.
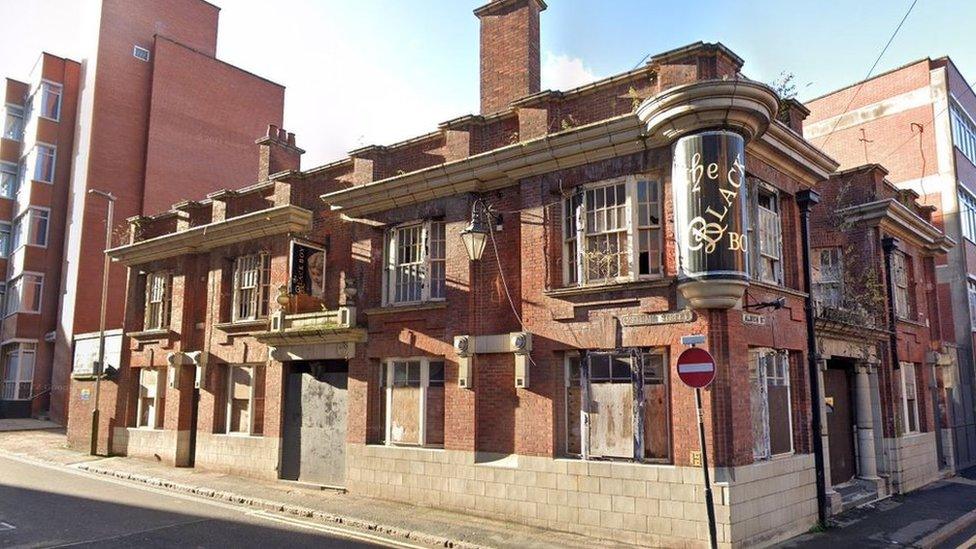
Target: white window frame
<point>963,130</point>
<point>228,406</point>
<point>46,87</point>
<point>10,389</point>
<point>967,213</point>
<point>36,157</point>
<point>140,53</point>
<point>971,292</point>
<point>758,359</point>
<point>157,307</point>
<point>768,241</point>
<point>14,111</point>
<point>828,282</point>
<point>10,169</point>
<point>577,233</point>
<point>388,373</point>
<point>21,230</point>
<point>259,300</point>
<point>901,284</point>
<point>154,416</point>
<point>6,244</point>
<point>422,268</point>
<point>18,289</point>
<point>905,384</point>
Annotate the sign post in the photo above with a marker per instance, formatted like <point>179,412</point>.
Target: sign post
<point>696,368</point>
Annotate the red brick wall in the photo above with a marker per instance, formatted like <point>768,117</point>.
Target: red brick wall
<point>510,57</point>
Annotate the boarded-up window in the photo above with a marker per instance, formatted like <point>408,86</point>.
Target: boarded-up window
<point>657,422</point>
<point>414,401</point>
<point>148,398</point>
<point>611,406</point>
<point>245,403</point>
<point>772,414</point>
<point>909,394</point>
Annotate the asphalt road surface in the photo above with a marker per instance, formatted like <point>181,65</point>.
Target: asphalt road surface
<point>52,507</point>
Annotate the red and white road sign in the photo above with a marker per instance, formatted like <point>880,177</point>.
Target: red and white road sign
<point>696,367</point>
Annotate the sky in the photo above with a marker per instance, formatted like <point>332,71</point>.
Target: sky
<point>370,72</point>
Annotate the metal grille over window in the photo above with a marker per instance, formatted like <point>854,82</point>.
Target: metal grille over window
<point>252,286</point>
<point>157,301</point>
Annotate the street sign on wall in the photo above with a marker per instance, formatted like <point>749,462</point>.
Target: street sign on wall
<point>696,367</point>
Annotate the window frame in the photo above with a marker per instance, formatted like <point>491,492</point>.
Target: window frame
<point>45,87</point>
<point>901,282</point>
<point>576,232</point>
<point>971,292</point>
<point>782,358</point>
<point>963,130</point>
<point>137,50</point>
<point>260,300</point>
<point>21,237</point>
<point>906,367</point>
<point>834,283</point>
<point>10,169</point>
<point>9,110</point>
<point>967,213</point>
<point>252,367</point>
<point>155,417</point>
<point>387,370</point>
<point>761,188</point>
<point>425,264</point>
<point>35,156</point>
<point>6,244</point>
<point>19,348</point>
<point>20,300</point>
<point>161,319</point>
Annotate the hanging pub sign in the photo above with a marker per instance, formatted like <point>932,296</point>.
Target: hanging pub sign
<point>708,185</point>
<point>307,268</point>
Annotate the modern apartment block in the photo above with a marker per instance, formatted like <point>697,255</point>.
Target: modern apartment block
<point>918,122</point>
<point>150,115</point>
<point>35,158</point>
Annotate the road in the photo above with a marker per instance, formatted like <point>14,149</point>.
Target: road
<point>42,506</point>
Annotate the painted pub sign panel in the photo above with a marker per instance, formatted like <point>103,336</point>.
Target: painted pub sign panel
<point>708,185</point>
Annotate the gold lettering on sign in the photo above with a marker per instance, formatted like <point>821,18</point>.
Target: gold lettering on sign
<point>705,233</point>
<point>737,241</point>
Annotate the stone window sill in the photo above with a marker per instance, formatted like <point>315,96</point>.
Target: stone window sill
<point>662,282</point>
<point>243,325</point>
<point>146,335</point>
<point>393,309</point>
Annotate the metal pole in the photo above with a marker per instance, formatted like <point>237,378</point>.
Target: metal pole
<point>709,503</point>
<point>100,368</point>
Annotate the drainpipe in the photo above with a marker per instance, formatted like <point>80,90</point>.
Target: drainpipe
<point>806,199</point>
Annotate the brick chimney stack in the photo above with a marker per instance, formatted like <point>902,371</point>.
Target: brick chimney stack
<point>510,58</point>
<point>278,152</point>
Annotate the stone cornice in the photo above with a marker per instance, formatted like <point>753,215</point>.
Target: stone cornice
<point>272,221</point>
<point>891,214</point>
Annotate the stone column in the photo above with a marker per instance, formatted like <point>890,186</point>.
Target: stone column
<point>867,459</point>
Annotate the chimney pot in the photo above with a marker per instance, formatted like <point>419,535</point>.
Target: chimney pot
<point>272,130</point>
<point>291,138</point>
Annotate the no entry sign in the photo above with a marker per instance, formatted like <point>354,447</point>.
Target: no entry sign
<point>696,367</point>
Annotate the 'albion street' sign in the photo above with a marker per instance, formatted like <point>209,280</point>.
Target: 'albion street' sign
<point>708,179</point>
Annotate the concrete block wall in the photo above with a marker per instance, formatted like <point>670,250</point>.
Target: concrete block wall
<point>914,461</point>
<point>651,505</point>
<point>252,456</point>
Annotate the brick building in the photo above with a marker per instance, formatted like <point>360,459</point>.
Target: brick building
<point>918,122</point>
<point>880,350</point>
<point>150,115</point>
<point>327,325</point>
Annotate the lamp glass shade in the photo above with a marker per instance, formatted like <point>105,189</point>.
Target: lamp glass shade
<point>474,238</point>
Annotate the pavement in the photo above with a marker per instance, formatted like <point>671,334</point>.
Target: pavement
<point>942,515</point>
<point>391,523</point>
<point>26,424</point>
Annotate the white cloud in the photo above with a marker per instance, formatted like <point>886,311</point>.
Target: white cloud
<point>562,72</point>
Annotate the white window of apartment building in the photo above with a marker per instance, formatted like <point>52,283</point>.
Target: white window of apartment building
<point>617,405</point>
<point>772,410</point>
<point>18,375</point>
<point>413,391</point>
<point>44,161</point>
<point>767,233</point>
<point>252,286</point>
<point>416,261</point>
<point>909,397</point>
<point>50,94</point>
<point>245,399</point>
<point>150,405</point>
<point>24,293</point>
<point>9,175</point>
<point>13,122</point>
<point>967,214</point>
<point>971,286</point>
<point>31,228</point>
<point>157,301</point>
<point>5,239</point>
<point>963,131</point>
<point>901,274</point>
<point>828,276</point>
<point>612,232</point>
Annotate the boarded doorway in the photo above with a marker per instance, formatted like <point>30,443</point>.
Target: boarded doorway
<point>314,435</point>
<point>840,422</point>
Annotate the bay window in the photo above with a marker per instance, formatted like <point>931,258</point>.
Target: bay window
<point>245,399</point>
<point>252,287</point>
<point>149,407</point>
<point>31,228</point>
<point>771,408</point>
<point>18,371</point>
<point>909,397</point>
<point>157,301</point>
<point>414,401</point>
<point>612,232</point>
<point>8,179</point>
<point>51,100</point>
<point>24,294</point>
<point>44,162</point>
<point>13,122</point>
<point>415,263</point>
<point>617,404</point>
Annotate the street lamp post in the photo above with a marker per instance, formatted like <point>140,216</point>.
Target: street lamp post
<point>101,322</point>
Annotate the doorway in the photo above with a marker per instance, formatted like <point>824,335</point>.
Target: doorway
<point>840,421</point>
<point>314,430</point>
